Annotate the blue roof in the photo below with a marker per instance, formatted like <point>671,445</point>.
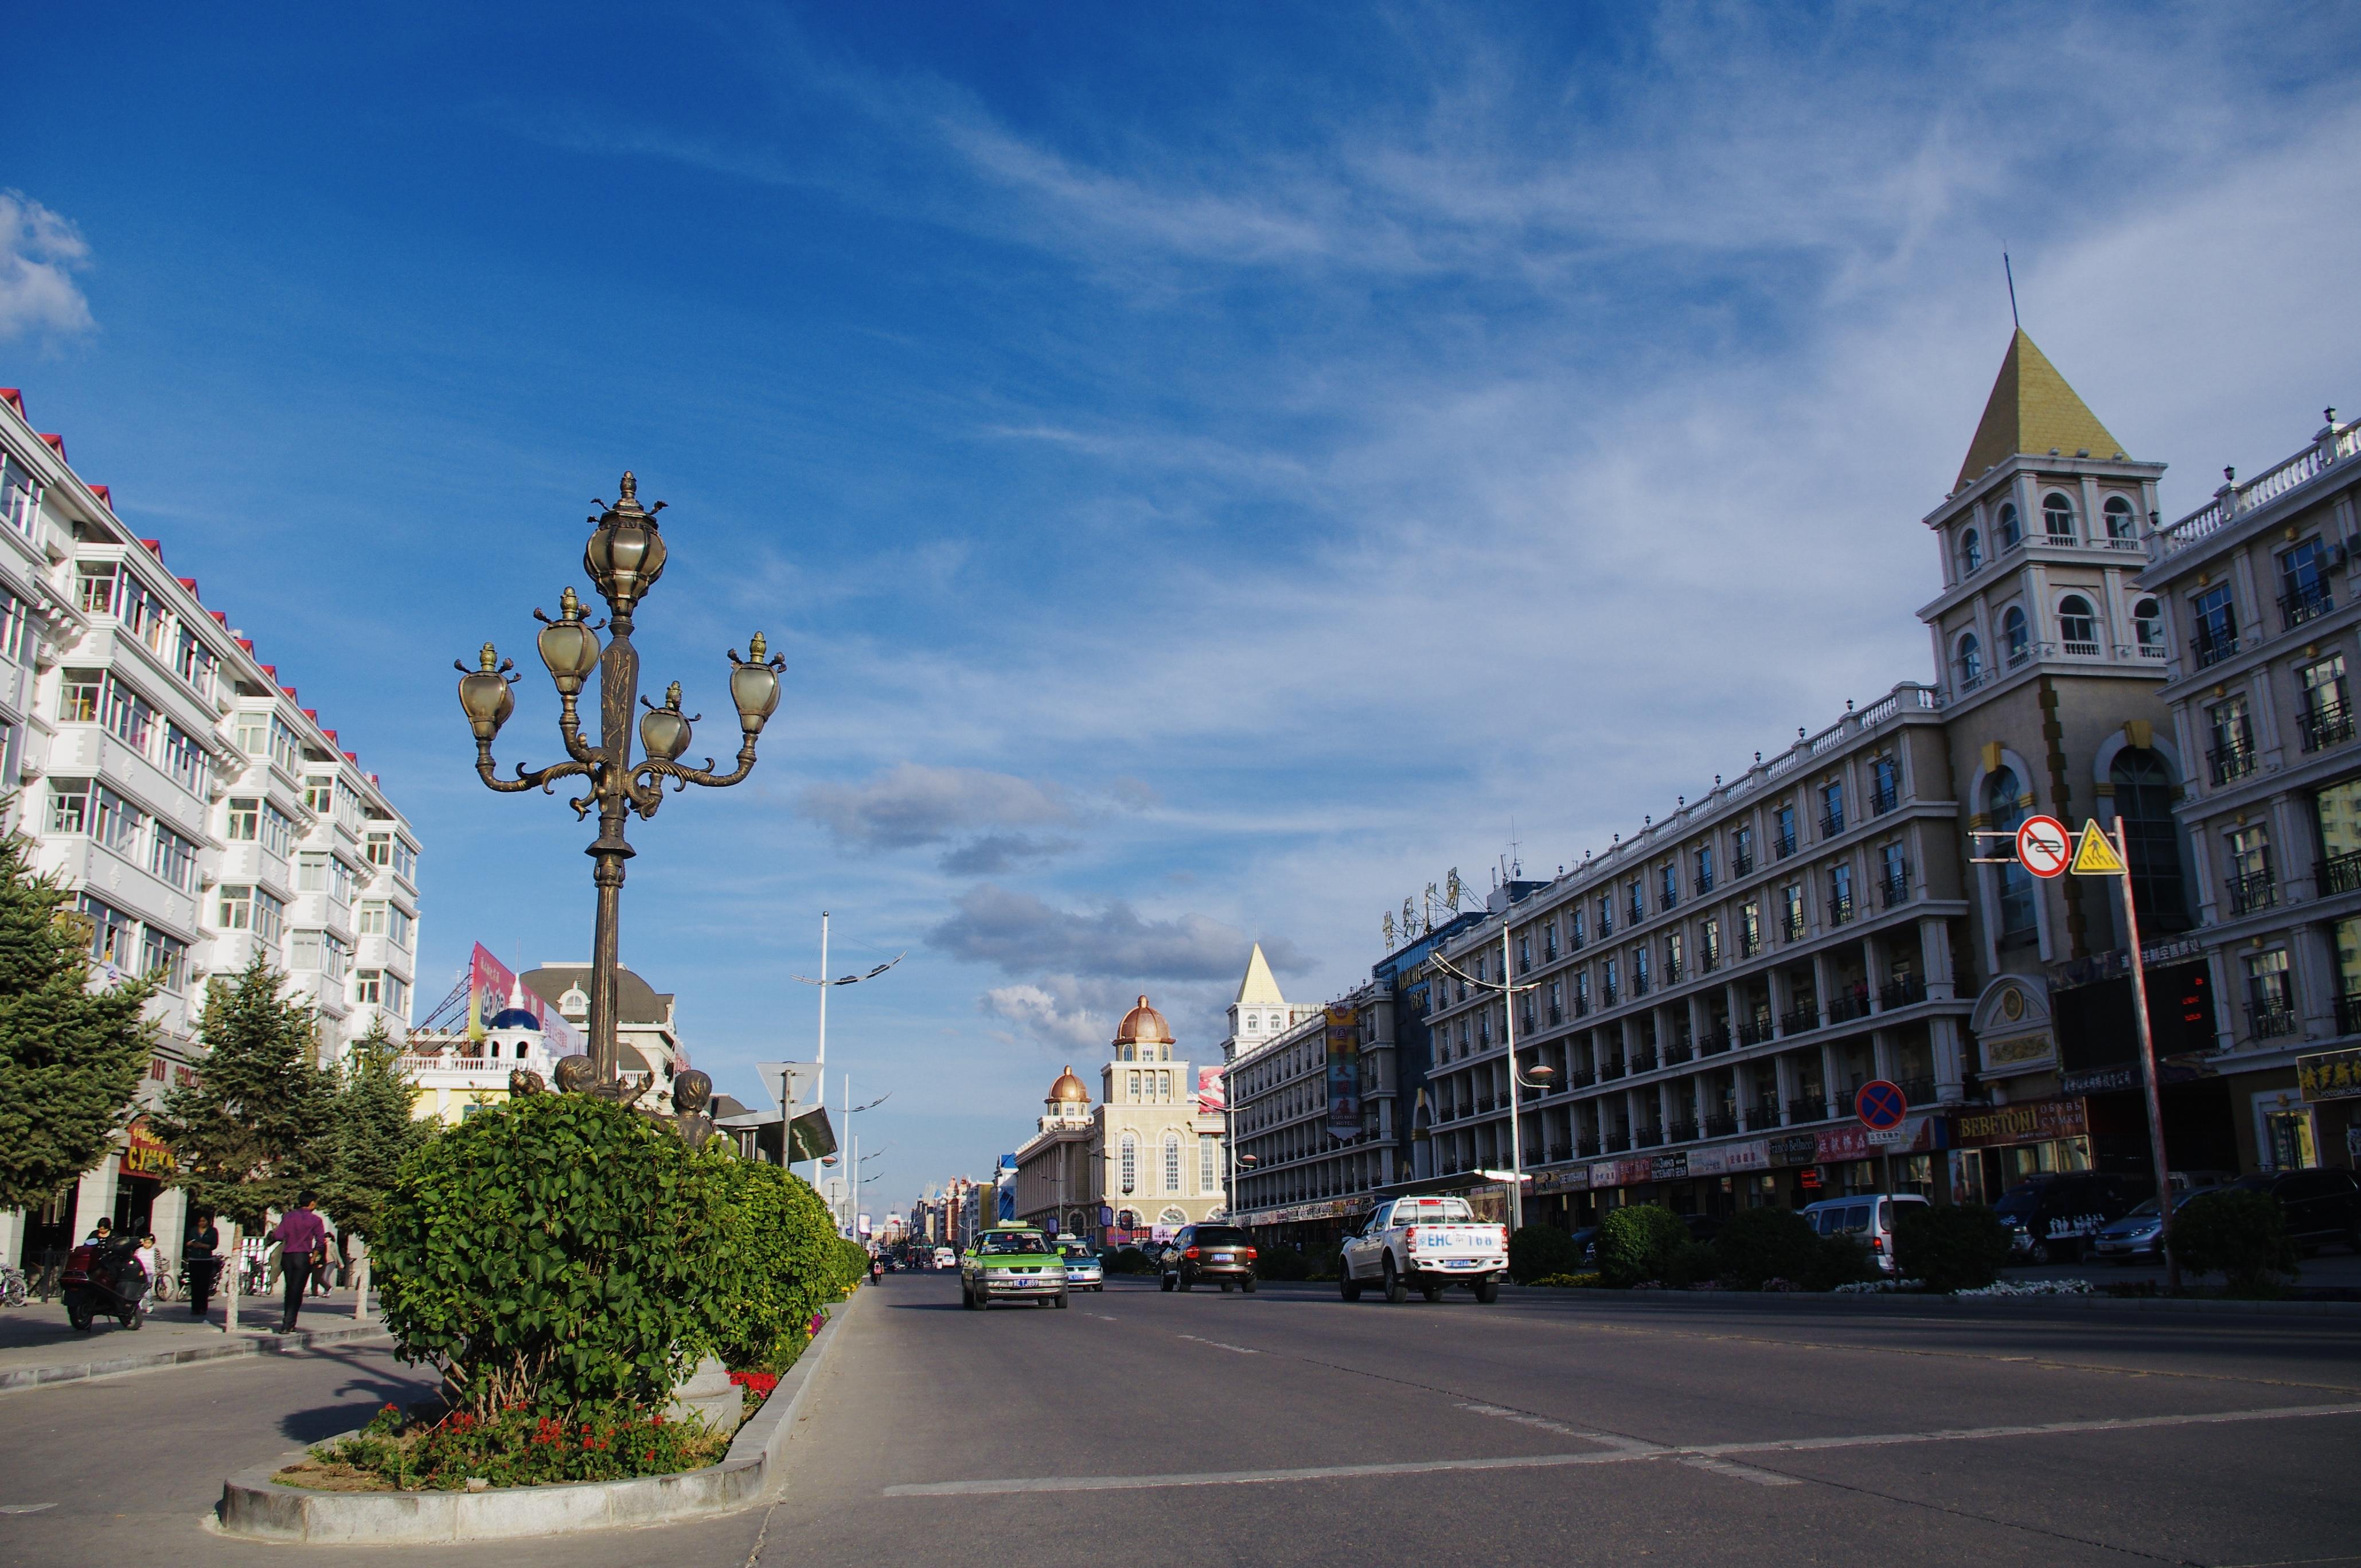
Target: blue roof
<point>515,1018</point>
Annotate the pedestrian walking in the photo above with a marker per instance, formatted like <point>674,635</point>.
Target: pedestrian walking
<point>324,1259</point>
<point>150,1262</point>
<point>202,1256</point>
<point>302,1236</point>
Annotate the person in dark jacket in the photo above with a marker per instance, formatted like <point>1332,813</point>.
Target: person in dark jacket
<point>300,1235</point>
<point>202,1256</point>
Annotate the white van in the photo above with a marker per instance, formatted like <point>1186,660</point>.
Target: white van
<point>945,1258</point>
<point>1870,1216</point>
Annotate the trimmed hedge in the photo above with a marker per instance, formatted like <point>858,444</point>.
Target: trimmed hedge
<point>779,1261</point>
<point>1760,1244</point>
<point>1957,1246</point>
<point>2239,1234</point>
<point>1538,1250</point>
<point>1638,1242</point>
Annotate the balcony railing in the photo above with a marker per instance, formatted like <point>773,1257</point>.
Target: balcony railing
<point>1894,889</point>
<point>1799,1020</point>
<point>1742,863</point>
<point>1586,1148</point>
<point>1557,1013</point>
<point>2348,1014</point>
<point>1765,1113</point>
<point>2326,726</point>
<point>1611,1067</point>
<point>2304,601</point>
<point>1641,985</point>
<point>1808,1108</point>
<point>1721,1125</point>
<point>1849,1005</point>
<point>2259,890</point>
<point>1749,944</point>
<point>2341,873</point>
<point>1560,1151</point>
<point>1645,1060</point>
<point>1831,824</point>
<point>1682,1132</point>
<point>1649,1138</point>
<point>1753,1031</point>
<point>1840,909</point>
<point>1714,1041</point>
<point>1701,884</point>
<point>1916,1090</point>
<point>1607,996</point>
<point>1793,927</point>
<point>1883,799</point>
<point>1783,846</point>
<point>1615,1143</point>
<point>2269,1020</point>
<point>1676,1054</point>
<point>1580,1078</point>
<point>1708,960</point>
<point>2212,649</point>
<point>2232,762</point>
<point>1902,991</point>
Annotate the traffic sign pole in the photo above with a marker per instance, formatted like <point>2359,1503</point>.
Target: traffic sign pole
<point>2147,1071</point>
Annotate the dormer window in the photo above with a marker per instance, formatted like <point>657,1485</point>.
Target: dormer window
<point>1972,552</point>
<point>2011,531</point>
<point>2058,518</point>
<point>1254,1023</point>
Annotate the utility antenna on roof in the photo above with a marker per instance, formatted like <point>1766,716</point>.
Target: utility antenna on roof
<point>2010,273</point>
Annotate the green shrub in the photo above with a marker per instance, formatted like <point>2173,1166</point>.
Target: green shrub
<point>1284,1263</point>
<point>1569,1281</point>
<point>1126,1260</point>
<point>1956,1247</point>
<point>851,1266</point>
<point>1838,1260</point>
<point>552,1251</point>
<point>1760,1244</point>
<point>779,1261</point>
<point>1691,1263</point>
<point>1637,1242</point>
<point>1536,1250</point>
<point>2239,1234</point>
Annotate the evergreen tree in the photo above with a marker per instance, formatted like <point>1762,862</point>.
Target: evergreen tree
<point>258,1127</point>
<point>374,1130</point>
<point>69,1056</point>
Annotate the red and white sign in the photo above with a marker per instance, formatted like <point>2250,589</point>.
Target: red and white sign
<point>2043,846</point>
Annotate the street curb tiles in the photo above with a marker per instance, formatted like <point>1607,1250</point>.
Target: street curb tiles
<point>16,1377</point>
<point>256,1508</point>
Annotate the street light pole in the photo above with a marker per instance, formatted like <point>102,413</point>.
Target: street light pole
<point>624,556</point>
<point>1508,989</point>
<point>2148,1088</point>
<point>819,1068</point>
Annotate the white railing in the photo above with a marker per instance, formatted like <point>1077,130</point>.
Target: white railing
<point>2334,445</point>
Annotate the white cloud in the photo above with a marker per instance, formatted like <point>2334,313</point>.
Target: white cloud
<point>1018,932</point>
<point>40,252</point>
<point>912,804</point>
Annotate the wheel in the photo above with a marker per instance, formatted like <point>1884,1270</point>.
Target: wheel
<point>133,1318</point>
<point>79,1317</point>
<point>1248,1284</point>
<point>1226,1287</point>
<point>1164,1282</point>
<point>1397,1292</point>
<point>1431,1289</point>
<point>967,1299</point>
<point>1062,1301</point>
<point>1347,1287</point>
<point>1488,1291</point>
<point>1181,1282</point>
<point>2044,1253</point>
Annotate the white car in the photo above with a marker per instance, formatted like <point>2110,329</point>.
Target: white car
<point>945,1258</point>
<point>1426,1244</point>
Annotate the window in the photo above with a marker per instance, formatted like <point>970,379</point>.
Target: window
<point>278,829</point>
<point>69,806</point>
<point>1606,920</point>
<point>2270,1008</point>
<point>1581,992</point>
<point>2232,754</point>
<point>1709,945</point>
<point>1668,877</point>
<point>2004,806</point>
<point>95,589</point>
<point>166,957</point>
<point>1885,786</point>
<point>312,872</point>
<point>1634,905</point>
<point>1833,821</point>
<point>2303,584</point>
<point>245,821</point>
<point>2118,514</point>
<point>2058,518</point>
<point>111,931</point>
<point>189,762</point>
<point>127,715</point>
<point>79,695</point>
<point>2144,792</point>
<point>1558,1002</point>
<point>319,794</point>
<point>1549,940</point>
<point>1783,830</point>
<point>1703,872</point>
<point>1610,985</point>
<point>1674,952</point>
<point>1640,979</point>
<point>114,821</point>
<point>1750,929</point>
<point>1130,1161</point>
<point>304,949</point>
<point>1972,552</point>
<point>1741,850</point>
<point>19,496</point>
<point>1171,1162</point>
<point>172,859</point>
<point>1839,895</point>
<point>2014,637</point>
<point>1791,911</point>
<point>235,911</point>
<point>368,987</point>
<point>370,920</point>
<point>1525,954</point>
<point>2253,886</point>
<point>1971,663</point>
<point>194,663</point>
<point>2078,626</point>
<point>2148,628</point>
<point>2217,625</point>
<point>2012,530</point>
<point>1134,1095</point>
<point>1894,876</point>
<point>1209,1163</point>
<point>1574,937</point>
<point>17,636</point>
<point>2327,717</point>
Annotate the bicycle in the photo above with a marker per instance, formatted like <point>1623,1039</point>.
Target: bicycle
<point>165,1287</point>
<point>13,1292</point>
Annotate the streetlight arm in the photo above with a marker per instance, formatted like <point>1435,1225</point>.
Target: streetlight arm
<point>654,770</point>
<point>535,778</point>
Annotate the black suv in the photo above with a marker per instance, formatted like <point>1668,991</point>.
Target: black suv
<point>1221,1255</point>
<point>2320,1205</point>
<point>2054,1216</point>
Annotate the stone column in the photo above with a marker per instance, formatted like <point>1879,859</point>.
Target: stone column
<point>1935,957</point>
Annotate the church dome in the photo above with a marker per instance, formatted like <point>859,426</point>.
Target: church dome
<point>1143,1026</point>
<point>1069,1090</point>
<point>516,1019</point>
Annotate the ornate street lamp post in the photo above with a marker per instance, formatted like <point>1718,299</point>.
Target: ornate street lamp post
<point>624,555</point>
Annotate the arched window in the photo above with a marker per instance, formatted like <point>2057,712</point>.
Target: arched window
<point>1971,663</point>
<point>1172,1217</point>
<point>2147,625</point>
<point>2118,513</point>
<point>1171,1162</point>
<point>2011,531</point>
<point>1130,1171</point>
<point>1972,552</point>
<point>2057,515</point>
<point>2013,635</point>
<point>2078,626</point>
<point>2144,792</point>
<point>2004,805</point>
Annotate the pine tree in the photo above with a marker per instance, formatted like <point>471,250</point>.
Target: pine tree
<point>257,1128</point>
<point>69,1056</point>
<point>374,1131</point>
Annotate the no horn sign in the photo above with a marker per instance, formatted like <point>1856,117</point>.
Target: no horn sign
<point>2043,846</point>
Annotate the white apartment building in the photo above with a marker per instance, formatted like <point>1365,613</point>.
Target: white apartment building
<point>196,811</point>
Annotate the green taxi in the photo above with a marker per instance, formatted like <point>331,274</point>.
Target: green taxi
<point>1012,1263</point>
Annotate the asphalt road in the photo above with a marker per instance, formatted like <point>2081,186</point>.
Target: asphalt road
<point>1291,1428</point>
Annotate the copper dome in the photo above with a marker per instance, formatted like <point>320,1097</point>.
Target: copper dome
<point>1143,1026</point>
<point>1069,1090</point>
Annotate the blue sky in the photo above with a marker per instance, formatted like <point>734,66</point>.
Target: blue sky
<point>1209,473</point>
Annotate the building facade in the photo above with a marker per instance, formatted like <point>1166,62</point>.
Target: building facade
<point>1315,1134</point>
<point>197,813</point>
<point>2260,599</point>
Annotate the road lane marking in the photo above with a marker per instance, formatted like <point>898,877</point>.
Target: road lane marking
<point>1217,1345</point>
<point>1612,1440</point>
<point>1101,1317</point>
<point>1620,1456</point>
<point>24,1508</point>
<point>1741,1472</point>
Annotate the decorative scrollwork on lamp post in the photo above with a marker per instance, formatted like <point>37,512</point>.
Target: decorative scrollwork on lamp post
<point>624,555</point>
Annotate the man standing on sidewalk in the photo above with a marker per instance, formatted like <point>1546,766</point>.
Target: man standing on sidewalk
<point>299,1233</point>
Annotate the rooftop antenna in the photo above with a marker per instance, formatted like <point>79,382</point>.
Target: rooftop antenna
<point>2010,273</point>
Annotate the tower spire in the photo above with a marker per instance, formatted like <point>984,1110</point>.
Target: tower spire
<point>2032,409</point>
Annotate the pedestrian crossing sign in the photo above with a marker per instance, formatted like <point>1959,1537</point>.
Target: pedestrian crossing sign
<point>2096,855</point>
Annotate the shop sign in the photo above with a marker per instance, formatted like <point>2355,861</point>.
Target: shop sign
<point>2036,1122</point>
<point>2098,1080</point>
<point>1794,1148</point>
<point>1854,1141</point>
<point>1668,1167</point>
<point>2024,1048</point>
<point>1705,1162</point>
<point>2332,1075</point>
<point>1752,1156</point>
<point>1576,1179</point>
<point>144,1153</point>
<point>1605,1173</point>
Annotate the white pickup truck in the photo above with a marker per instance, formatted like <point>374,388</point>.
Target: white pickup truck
<point>1426,1244</point>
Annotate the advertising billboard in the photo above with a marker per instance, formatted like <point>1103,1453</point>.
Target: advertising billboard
<point>492,987</point>
<point>1345,1072</point>
<point>1210,1095</point>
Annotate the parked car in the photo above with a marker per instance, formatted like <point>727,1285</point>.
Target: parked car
<point>1426,1244</point>
<point>1870,1216</point>
<point>1214,1255</point>
<point>1083,1269</point>
<point>2321,1205</point>
<point>2053,1216</point>
<point>2139,1235</point>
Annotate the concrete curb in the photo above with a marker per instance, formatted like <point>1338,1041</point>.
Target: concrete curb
<point>16,1378</point>
<point>256,1508</point>
<point>1882,1302</point>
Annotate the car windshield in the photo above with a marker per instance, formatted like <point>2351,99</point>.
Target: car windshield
<point>1080,1253</point>
<point>1220,1236</point>
<point>1017,1242</point>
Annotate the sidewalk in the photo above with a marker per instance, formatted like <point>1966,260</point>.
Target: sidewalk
<point>38,1345</point>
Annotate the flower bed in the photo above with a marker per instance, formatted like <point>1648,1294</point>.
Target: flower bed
<point>758,1387</point>
<point>2030,1287</point>
<point>457,1451</point>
